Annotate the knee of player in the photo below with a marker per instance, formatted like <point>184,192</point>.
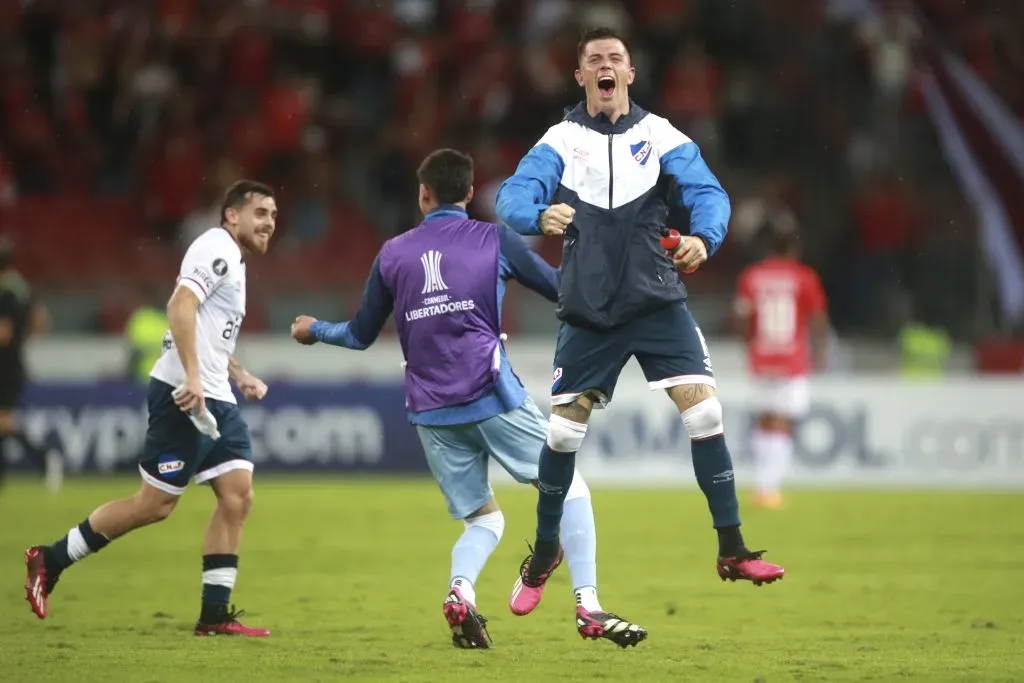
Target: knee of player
<point>775,423</point>
<point>150,504</point>
<point>237,503</point>
<point>704,420</point>
<point>157,509</point>
<point>247,499</point>
<point>491,521</point>
<point>565,435</point>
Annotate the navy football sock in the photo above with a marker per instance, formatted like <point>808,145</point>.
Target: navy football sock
<point>730,542</point>
<point>555,474</point>
<point>713,466</point>
<point>219,574</point>
<point>79,542</point>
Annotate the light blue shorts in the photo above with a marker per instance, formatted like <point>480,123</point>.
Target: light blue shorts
<point>458,455</point>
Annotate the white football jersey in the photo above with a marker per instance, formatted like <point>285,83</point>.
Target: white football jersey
<point>213,269</point>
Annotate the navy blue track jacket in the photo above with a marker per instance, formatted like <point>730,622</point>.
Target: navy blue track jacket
<point>620,179</point>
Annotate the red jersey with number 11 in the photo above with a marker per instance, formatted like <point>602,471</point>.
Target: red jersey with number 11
<point>779,298</point>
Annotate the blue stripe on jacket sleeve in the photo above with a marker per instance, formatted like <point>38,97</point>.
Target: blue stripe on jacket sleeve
<point>529,191</point>
<point>700,192</point>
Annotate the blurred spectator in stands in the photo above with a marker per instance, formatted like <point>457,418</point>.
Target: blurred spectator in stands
<point>887,219</point>
<point>8,185</point>
<point>286,107</point>
<point>22,316</point>
<point>689,97</point>
<point>33,150</point>
<point>175,177</point>
<point>144,336</point>
<point>148,81</point>
<point>845,12</point>
<point>604,13</point>
<point>308,207</point>
<point>205,213</point>
<point>545,17</point>
<point>925,346</point>
<point>489,172</point>
<point>771,205</point>
<point>890,36</point>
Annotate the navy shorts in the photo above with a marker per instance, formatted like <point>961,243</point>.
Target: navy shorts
<point>667,344</point>
<point>176,452</point>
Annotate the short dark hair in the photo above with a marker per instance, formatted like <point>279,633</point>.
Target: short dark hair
<point>601,33</point>
<point>239,193</point>
<point>448,174</point>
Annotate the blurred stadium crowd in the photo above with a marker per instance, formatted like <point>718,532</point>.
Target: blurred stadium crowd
<point>122,121</point>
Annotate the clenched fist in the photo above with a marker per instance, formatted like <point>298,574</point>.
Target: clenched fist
<point>555,219</point>
<point>690,254</point>
<point>301,331</point>
<point>252,387</point>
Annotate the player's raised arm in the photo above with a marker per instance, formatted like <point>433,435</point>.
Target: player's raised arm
<point>526,266</point>
<point>523,197</point>
<point>364,328</point>
<point>697,188</point>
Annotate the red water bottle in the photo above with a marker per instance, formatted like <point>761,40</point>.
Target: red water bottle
<point>670,239</point>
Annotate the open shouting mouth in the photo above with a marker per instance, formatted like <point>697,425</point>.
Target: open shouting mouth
<point>606,86</point>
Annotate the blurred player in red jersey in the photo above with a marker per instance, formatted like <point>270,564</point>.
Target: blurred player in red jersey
<point>780,308</point>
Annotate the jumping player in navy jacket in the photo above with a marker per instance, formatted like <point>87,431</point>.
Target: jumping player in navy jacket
<point>601,179</point>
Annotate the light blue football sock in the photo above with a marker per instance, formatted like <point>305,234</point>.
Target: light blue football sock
<point>470,552</point>
<point>579,542</point>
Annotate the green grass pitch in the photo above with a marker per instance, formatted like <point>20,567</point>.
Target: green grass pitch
<point>350,576</point>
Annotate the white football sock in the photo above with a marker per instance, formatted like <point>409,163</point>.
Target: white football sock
<point>773,453</point>
<point>783,449</point>
<point>465,587</point>
<point>586,597</point>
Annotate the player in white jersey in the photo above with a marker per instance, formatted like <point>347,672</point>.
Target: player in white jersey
<point>195,428</point>
<point>214,271</point>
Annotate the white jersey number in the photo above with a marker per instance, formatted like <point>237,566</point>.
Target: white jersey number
<point>776,317</point>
